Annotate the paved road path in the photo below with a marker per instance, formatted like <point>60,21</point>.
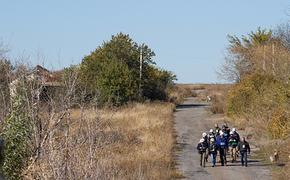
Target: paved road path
<point>191,119</point>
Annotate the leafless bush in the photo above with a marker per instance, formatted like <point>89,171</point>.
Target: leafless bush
<point>23,80</point>
<point>218,104</point>
<point>131,143</point>
<point>72,139</point>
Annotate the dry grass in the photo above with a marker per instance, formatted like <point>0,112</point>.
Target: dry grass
<point>218,94</point>
<point>179,92</point>
<point>134,142</point>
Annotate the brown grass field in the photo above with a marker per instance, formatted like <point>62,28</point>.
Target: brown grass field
<point>134,142</point>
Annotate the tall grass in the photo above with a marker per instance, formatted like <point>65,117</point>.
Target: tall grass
<point>134,142</point>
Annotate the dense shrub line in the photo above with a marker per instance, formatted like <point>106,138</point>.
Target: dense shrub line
<point>260,62</point>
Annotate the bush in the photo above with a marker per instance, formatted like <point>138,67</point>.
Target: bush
<point>256,93</point>
<point>278,126</point>
<point>5,75</point>
<point>16,134</point>
<point>218,104</point>
<point>116,84</point>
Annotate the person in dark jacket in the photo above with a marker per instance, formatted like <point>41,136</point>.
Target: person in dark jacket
<point>217,130</point>
<point>244,148</point>
<point>222,143</point>
<point>233,143</point>
<point>226,130</point>
<point>211,135</point>
<point>206,139</point>
<point>202,147</point>
<point>212,149</point>
<point>236,134</point>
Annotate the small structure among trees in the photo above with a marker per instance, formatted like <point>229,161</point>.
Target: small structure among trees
<point>45,83</point>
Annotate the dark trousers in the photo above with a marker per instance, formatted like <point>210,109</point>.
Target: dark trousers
<point>223,156</point>
<point>244,158</point>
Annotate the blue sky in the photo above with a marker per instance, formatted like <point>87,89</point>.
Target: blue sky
<point>189,37</point>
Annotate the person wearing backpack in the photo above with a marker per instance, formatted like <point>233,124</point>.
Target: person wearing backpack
<point>212,151</point>
<point>233,143</point>
<point>205,136</point>
<point>244,148</point>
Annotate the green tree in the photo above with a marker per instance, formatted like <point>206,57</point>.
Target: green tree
<point>117,84</point>
<point>157,83</point>
<point>113,70</point>
<point>121,48</point>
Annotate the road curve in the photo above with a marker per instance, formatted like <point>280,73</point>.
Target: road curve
<point>191,119</point>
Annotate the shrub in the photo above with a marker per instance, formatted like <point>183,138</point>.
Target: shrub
<point>278,126</point>
<point>5,69</point>
<point>16,134</point>
<point>218,104</point>
<point>116,84</point>
<point>256,93</point>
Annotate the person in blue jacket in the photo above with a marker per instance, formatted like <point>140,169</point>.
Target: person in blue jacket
<point>222,144</point>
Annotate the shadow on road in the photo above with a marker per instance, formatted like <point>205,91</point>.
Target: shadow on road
<point>185,106</point>
<point>251,163</point>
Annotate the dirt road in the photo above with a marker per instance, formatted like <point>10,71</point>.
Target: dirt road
<point>191,119</point>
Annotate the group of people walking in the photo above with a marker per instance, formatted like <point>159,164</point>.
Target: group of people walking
<point>221,141</point>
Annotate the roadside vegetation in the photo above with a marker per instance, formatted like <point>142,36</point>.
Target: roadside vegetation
<point>259,66</point>
<point>110,144</point>
<point>216,94</point>
<point>105,118</point>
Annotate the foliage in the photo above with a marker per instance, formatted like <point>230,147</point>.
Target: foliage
<point>5,69</point>
<point>116,83</point>
<point>279,124</point>
<point>261,94</point>
<point>157,83</point>
<point>113,72</point>
<point>16,134</point>
<point>253,94</point>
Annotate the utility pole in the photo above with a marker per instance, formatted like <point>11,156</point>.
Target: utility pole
<point>140,71</point>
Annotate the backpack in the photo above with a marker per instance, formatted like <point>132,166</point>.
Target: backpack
<point>233,142</point>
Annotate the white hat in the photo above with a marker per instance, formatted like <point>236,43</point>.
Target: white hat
<point>232,132</point>
<point>201,140</point>
<point>234,129</point>
<point>211,139</point>
<point>221,133</point>
<point>211,130</point>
